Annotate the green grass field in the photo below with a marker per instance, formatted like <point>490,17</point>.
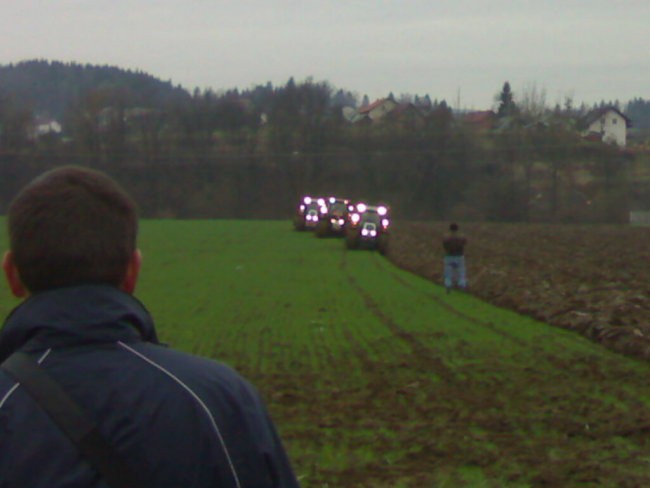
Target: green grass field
<point>377,378</point>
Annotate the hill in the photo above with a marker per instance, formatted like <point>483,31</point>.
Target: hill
<point>50,87</point>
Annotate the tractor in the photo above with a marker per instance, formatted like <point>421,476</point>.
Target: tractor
<point>333,217</point>
<point>368,227</point>
<point>307,213</point>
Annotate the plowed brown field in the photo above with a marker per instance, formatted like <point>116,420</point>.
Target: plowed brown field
<point>592,279</point>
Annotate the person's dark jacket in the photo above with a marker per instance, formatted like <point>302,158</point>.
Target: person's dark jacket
<point>454,245</point>
<point>178,420</point>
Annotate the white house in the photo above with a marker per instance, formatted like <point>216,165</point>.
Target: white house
<point>609,124</point>
<point>46,125</point>
<point>640,217</point>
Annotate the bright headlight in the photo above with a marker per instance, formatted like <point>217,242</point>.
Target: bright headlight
<point>385,222</point>
<point>321,202</point>
<point>373,233</point>
<point>323,210</point>
<point>307,200</point>
<point>332,199</point>
<point>355,218</point>
<point>364,232</point>
<point>361,207</point>
<point>382,211</point>
<point>341,221</point>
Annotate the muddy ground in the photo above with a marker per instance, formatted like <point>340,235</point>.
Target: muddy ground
<point>592,279</point>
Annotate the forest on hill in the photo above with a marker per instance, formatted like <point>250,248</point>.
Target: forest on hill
<point>52,88</point>
<point>253,152</point>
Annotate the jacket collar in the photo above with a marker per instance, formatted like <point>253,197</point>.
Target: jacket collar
<point>75,316</point>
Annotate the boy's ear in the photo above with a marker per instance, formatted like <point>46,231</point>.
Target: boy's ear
<point>132,272</point>
<point>13,277</point>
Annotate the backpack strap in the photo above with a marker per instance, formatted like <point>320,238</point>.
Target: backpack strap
<point>71,419</point>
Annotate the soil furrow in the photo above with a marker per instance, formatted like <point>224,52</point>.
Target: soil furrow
<point>453,310</point>
<point>422,352</point>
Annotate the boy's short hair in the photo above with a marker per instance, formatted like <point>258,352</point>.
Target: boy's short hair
<point>72,226</point>
<point>453,227</point>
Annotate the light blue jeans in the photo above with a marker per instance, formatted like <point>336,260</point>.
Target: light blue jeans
<point>455,271</point>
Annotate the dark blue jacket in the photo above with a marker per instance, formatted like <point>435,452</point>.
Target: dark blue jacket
<point>179,420</point>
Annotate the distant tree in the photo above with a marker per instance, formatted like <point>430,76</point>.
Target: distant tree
<point>434,179</point>
<point>532,103</point>
<point>508,144</point>
<point>84,123</point>
<point>233,113</point>
<point>505,98</point>
<point>425,102</point>
<point>638,110</point>
<point>261,97</point>
<point>366,101</point>
<point>316,115</point>
<point>284,118</point>
<point>16,121</point>
<point>568,104</point>
<point>343,99</point>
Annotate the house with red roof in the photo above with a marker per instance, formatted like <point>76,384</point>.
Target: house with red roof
<point>378,109</point>
<point>482,120</point>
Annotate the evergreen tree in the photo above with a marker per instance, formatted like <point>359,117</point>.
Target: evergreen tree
<point>507,106</point>
<point>638,110</point>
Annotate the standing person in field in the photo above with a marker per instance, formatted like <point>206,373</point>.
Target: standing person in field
<point>454,260</point>
<point>137,414</point>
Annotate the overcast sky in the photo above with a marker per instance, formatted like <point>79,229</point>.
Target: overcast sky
<point>454,50</point>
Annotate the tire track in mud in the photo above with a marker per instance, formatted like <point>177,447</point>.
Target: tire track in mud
<point>580,367</point>
<point>453,310</point>
<point>592,373</point>
<point>453,400</point>
<point>423,353</point>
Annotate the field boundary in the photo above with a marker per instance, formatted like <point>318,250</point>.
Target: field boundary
<point>578,281</point>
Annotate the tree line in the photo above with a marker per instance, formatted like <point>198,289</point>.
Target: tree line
<point>252,153</point>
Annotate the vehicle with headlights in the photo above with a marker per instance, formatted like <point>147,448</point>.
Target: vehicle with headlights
<point>307,213</point>
<point>333,217</point>
<point>368,227</point>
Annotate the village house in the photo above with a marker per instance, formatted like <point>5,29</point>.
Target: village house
<point>384,108</point>
<point>44,126</point>
<point>378,109</point>
<point>481,121</point>
<point>609,124</point>
<point>353,116</point>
